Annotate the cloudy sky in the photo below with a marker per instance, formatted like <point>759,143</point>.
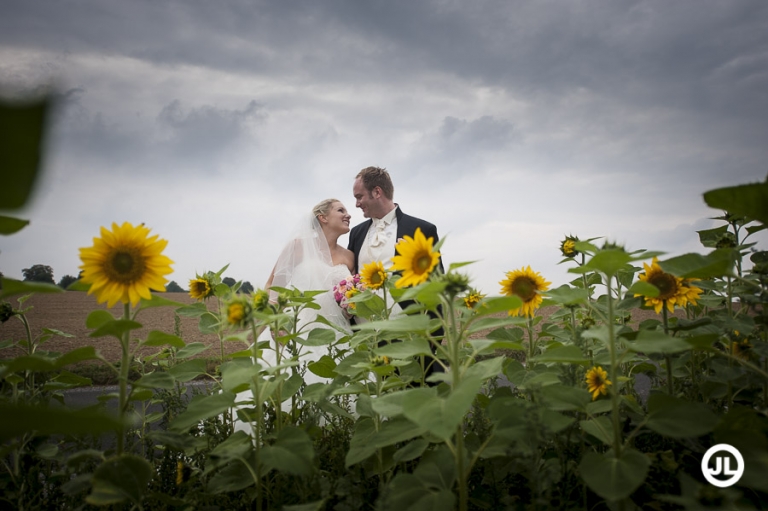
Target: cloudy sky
<point>508,123</point>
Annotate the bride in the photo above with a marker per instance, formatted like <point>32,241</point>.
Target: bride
<point>312,260</point>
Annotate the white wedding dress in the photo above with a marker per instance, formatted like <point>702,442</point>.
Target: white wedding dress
<point>305,264</point>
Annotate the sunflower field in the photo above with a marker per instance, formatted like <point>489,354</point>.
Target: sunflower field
<point>463,401</point>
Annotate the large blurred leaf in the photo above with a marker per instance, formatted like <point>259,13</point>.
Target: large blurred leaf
<point>117,479</point>
<point>10,225</point>
<point>614,478</point>
<point>750,200</point>
<point>440,415</point>
<point>157,338</point>
<point>562,355</point>
<point>20,418</point>
<point>21,133</point>
<point>188,370</point>
<point>677,418</point>
<point>115,328</point>
<point>11,287</point>
<point>202,407</point>
<point>366,439</point>
<point>292,452</point>
<point>717,263</point>
<point>405,349</point>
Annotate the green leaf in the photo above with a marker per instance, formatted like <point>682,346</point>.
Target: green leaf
<point>411,451</point>
<point>408,493</point>
<point>567,296</point>
<point>125,477</point>
<point>614,478</point>
<point>416,323</point>
<point>608,261</point>
<point>292,453</point>
<point>10,225</point>
<point>115,328</point>
<point>562,398</point>
<point>717,263</point>
<point>317,505</point>
<point>208,323</point>
<point>188,370</point>
<point>158,301</point>
<point>156,338</point>
<point>22,127</point>
<point>97,318</point>
<point>440,416</point>
<point>191,349</point>
<point>655,341</point>
<point>156,380</point>
<point>710,237</point>
<point>318,337</point>
<point>497,304</point>
<point>12,287</point>
<point>194,310</point>
<point>600,428</point>
<point>366,440</point>
<point>642,287</point>
<point>750,200</point>
<point>323,367</point>
<point>562,355</point>
<point>405,349</point>
<point>201,408</point>
<point>677,418</point>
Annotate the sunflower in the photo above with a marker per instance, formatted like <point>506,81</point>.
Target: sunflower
<point>525,284</point>
<point>669,287</point>
<point>473,298</point>
<point>237,311</point>
<point>200,288</point>
<point>124,264</point>
<point>568,246</point>
<point>415,259</point>
<point>260,300</point>
<point>373,275</point>
<point>597,382</point>
<point>688,293</point>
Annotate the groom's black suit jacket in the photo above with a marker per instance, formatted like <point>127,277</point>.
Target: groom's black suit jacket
<point>406,226</point>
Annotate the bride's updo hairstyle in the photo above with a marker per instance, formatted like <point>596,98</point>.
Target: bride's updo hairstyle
<point>323,207</point>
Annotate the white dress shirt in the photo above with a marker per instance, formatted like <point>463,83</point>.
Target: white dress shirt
<point>379,245</point>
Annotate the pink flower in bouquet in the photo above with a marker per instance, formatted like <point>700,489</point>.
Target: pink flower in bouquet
<point>346,289</point>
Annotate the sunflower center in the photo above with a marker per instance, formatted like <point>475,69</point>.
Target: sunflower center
<point>125,265</point>
<point>422,262</point>
<point>524,288</point>
<point>376,278</point>
<point>666,283</point>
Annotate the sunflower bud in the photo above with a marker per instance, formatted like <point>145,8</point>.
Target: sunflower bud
<point>727,240</point>
<point>6,312</point>
<point>237,311</point>
<point>260,300</point>
<point>568,246</point>
<point>456,283</point>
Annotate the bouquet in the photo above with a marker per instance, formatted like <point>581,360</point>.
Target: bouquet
<point>345,290</point>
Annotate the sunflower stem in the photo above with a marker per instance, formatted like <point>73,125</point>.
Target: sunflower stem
<point>613,377</point>
<point>667,358</point>
<point>123,380</point>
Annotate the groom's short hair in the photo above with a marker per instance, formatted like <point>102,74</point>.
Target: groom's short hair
<point>377,176</point>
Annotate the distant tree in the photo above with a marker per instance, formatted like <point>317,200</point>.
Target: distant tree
<point>173,287</point>
<point>247,287</point>
<point>39,273</point>
<point>66,280</point>
<point>229,281</point>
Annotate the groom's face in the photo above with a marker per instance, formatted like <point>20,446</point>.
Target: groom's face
<point>365,200</point>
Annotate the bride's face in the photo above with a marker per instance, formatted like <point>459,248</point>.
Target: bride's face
<point>337,218</point>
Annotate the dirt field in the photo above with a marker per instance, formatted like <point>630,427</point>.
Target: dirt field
<point>67,312</point>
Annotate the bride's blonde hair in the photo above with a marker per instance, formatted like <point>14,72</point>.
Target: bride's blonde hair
<point>323,207</point>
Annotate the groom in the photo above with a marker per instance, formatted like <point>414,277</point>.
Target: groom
<point>375,238</point>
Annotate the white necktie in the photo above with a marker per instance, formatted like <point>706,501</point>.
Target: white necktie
<point>378,238</point>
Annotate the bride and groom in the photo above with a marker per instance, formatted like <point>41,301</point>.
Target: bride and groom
<point>313,259</point>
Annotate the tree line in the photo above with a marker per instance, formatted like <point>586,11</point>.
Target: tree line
<point>44,273</point>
